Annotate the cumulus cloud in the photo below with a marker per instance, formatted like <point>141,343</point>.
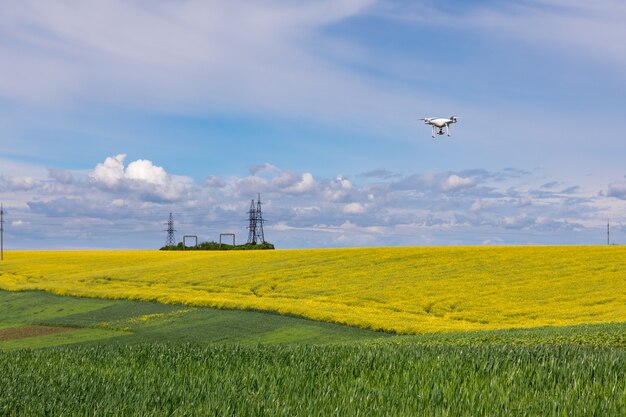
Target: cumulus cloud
<point>306,184</point>
<point>463,207</point>
<point>339,189</point>
<point>213,181</point>
<point>110,172</point>
<point>141,177</point>
<point>454,182</point>
<point>354,208</point>
<point>144,170</point>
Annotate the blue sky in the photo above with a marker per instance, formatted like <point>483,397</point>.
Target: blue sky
<point>113,114</point>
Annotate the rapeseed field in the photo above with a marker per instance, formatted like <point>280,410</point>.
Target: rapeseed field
<point>404,290</point>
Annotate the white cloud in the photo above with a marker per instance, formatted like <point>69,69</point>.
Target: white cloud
<point>454,182</point>
<point>141,177</point>
<point>110,172</point>
<point>306,184</point>
<point>144,170</point>
<point>118,199</point>
<point>183,55</point>
<point>354,208</point>
<point>344,182</point>
<point>20,183</point>
<point>213,181</point>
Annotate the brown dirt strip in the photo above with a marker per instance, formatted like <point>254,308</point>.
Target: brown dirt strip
<point>31,331</point>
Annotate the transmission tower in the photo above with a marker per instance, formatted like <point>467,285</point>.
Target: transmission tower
<point>252,223</point>
<point>170,240</point>
<point>1,232</point>
<point>255,222</point>
<point>260,238</point>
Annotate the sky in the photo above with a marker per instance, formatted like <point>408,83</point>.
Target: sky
<point>115,113</point>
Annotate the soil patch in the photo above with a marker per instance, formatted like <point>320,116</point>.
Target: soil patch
<point>32,331</point>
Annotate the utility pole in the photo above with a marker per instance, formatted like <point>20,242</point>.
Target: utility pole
<point>608,232</point>
<point>1,232</point>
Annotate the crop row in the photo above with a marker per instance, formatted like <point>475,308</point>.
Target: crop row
<point>340,380</point>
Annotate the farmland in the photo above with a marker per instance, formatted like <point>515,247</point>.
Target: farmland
<point>471,332</point>
<point>342,380</point>
<point>131,322</point>
<point>401,290</point>
<point>142,358</point>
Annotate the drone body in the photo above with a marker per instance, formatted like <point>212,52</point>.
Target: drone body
<point>438,124</point>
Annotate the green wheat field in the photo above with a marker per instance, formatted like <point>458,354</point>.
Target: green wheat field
<point>118,357</point>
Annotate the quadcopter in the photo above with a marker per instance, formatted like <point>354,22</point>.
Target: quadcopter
<point>439,124</point>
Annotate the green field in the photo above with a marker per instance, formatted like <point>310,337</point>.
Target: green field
<point>142,358</point>
<point>301,380</point>
<point>124,322</point>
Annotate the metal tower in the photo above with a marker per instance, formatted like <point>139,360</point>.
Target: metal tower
<point>255,222</point>
<point>260,238</point>
<point>1,232</point>
<point>252,223</point>
<point>171,240</point>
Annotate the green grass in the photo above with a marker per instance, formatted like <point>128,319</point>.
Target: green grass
<point>301,380</point>
<point>596,335</point>
<point>119,321</point>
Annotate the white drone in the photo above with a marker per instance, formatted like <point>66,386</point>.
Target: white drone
<point>439,123</point>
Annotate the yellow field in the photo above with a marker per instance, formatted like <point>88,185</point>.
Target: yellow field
<point>407,290</point>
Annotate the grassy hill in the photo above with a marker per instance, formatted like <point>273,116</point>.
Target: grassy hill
<point>404,290</point>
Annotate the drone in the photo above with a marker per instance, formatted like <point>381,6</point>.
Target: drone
<point>439,123</point>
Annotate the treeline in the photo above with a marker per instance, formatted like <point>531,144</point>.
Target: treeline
<point>223,246</point>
